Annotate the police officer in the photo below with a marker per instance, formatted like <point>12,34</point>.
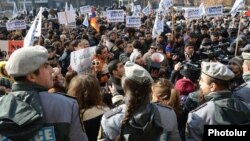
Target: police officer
<point>29,112</point>
<point>220,107</point>
<point>243,90</point>
<point>138,119</point>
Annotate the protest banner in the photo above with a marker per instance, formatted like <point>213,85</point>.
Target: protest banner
<point>16,25</point>
<point>192,14</point>
<point>165,4</point>
<point>85,9</point>
<point>133,21</point>
<point>14,45</point>
<point>66,17</point>
<point>80,60</point>
<point>115,15</point>
<point>214,11</point>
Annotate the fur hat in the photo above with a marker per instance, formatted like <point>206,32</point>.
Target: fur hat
<point>26,60</point>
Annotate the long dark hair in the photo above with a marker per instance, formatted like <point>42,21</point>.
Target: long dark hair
<point>136,95</point>
<point>86,89</point>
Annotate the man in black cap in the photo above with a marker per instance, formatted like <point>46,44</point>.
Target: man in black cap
<point>189,55</point>
<point>194,39</point>
<point>204,32</point>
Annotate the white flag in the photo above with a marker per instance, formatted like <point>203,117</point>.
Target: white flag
<point>28,40</point>
<point>15,11</point>
<point>237,5</point>
<point>158,26</point>
<point>24,9</point>
<point>132,7</point>
<point>86,21</point>
<point>147,10</point>
<point>202,10</point>
<point>71,8</point>
<point>66,6</point>
<point>39,24</point>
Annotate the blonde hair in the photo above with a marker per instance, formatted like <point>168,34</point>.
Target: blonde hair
<point>165,94</point>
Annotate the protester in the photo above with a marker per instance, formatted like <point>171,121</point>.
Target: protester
<point>86,89</point>
<point>116,71</point>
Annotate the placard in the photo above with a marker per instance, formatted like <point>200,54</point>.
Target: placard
<point>16,25</point>
<point>115,15</point>
<point>85,9</point>
<point>214,11</point>
<point>133,21</point>
<point>80,60</point>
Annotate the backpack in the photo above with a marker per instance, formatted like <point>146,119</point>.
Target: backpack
<point>145,125</point>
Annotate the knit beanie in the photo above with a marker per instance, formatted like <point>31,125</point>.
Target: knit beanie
<point>134,55</point>
<point>237,60</point>
<point>184,86</point>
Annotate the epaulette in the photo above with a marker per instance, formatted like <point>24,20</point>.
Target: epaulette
<point>63,94</point>
<point>112,112</point>
<point>201,106</point>
<point>240,87</point>
<point>163,105</point>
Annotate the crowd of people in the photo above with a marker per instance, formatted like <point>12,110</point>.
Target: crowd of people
<point>194,73</point>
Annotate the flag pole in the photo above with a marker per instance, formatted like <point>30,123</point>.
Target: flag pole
<point>237,42</point>
<point>172,23</point>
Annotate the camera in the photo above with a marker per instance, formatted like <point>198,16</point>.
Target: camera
<point>189,64</point>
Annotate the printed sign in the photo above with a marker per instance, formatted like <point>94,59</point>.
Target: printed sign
<point>14,45</point>
<point>214,11</point>
<point>133,21</point>
<point>192,13</point>
<point>164,4</point>
<point>80,60</point>
<point>16,25</point>
<point>115,15</point>
<point>66,17</point>
<point>85,9</point>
